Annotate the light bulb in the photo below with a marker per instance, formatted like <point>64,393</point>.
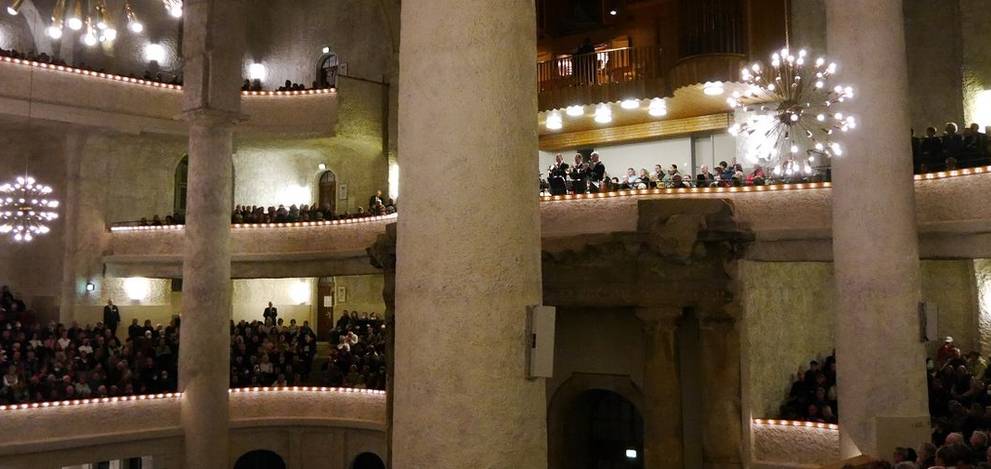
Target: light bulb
<point>554,121</point>
<point>54,32</point>
<point>175,11</point>
<point>657,108</point>
<point>603,114</point>
<point>75,23</point>
<point>630,104</point>
<point>89,38</point>
<point>713,88</point>
<point>135,27</point>
<point>575,111</point>
<point>110,34</point>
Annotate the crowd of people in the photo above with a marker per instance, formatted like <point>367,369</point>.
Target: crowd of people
<point>812,397</point>
<point>591,177</point>
<point>357,354</point>
<point>54,361</point>
<point>959,390</point>
<point>159,77</point>
<point>59,362</point>
<point>952,149</point>
<point>44,58</point>
<point>254,214</point>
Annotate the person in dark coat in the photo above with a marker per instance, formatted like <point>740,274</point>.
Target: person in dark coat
<point>111,317</point>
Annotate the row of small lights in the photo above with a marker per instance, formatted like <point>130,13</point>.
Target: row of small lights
<point>177,395</point>
<point>598,195</point>
<point>690,190</point>
<point>300,224</point>
<point>155,84</point>
<point>797,423</point>
<point>657,107</point>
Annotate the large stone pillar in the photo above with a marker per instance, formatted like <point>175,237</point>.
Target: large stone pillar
<point>468,250</point>
<point>722,434</point>
<point>75,204</point>
<point>663,442</point>
<point>213,41</point>
<point>880,360</point>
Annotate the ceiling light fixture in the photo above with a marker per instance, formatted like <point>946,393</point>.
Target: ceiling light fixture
<point>575,111</point>
<point>26,208</point>
<point>658,107</point>
<point>15,7</point>
<point>554,121</point>
<point>603,114</point>
<point>713,88</point>
<point>629,104</point>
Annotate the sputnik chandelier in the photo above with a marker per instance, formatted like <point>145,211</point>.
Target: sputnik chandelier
<point>96,21</point>
<point>793,116</point>
<point>26,208</point>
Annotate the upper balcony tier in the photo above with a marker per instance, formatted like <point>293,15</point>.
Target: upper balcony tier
<point>614,75</point>
<point>789,223</point>
<point>112,102</point>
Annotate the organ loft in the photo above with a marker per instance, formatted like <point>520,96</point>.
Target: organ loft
<point>565,234</point>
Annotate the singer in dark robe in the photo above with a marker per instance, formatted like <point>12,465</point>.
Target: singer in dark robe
<point>596,173</point>
<point>557,172</point>
<point>579,175</point>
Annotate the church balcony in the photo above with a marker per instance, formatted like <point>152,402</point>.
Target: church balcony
<point>789,223</point>
<point>600,77</point>
<point>271,250</point>
<point>111,102</point>
<point>308,423</point>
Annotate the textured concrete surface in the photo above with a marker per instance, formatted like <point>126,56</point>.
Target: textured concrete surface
<point>478,237</point>
<point>795,446</point>
<point>875,240</point>
<point>346,423</point>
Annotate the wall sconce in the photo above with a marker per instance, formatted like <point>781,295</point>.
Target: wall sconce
<point>90,286</point>
<point>322,167</point>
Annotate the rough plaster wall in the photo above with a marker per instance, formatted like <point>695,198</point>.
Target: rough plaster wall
<point>788,320</point>
<point>933,38</point>
<point>158,305</point>
<point>808,25</point>
<point>270,174</point>
<point>976,32</point>
<point>140,174</point>
<point>982,275</point>
<point>364,294</point>
<point>951,285</point>
<point>596,341</point>
<point>793,446</point>
<point>34,270</point>
<point>286,36</point>
<point>251,296</point>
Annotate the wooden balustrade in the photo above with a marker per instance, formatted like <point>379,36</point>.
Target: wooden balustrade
<point>606,75</point>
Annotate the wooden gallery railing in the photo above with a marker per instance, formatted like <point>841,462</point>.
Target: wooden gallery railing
<point>601,76</point>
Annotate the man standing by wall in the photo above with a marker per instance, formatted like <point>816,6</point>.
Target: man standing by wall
<point>270,313</point>
<point>111,317</point>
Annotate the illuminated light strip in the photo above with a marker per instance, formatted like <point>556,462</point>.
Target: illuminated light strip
<point>154,84</point>
<point>689,190</point>
<point>953,173</point>
<point>243,226</point>
<point>178,395</point>
<point>797,423</point>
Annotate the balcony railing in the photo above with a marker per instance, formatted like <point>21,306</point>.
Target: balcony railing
<point>606,75</point>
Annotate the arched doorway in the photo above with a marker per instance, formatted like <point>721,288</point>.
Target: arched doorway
<point>604,431</point>
<point>260,459</point>
<point>367,461</point>
<point>327,70</point>
<point>328,193</point>
<point>181,183</point>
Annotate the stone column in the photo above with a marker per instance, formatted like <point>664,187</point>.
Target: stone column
<point>213,41</point>
<point>468,259</point>
<point>880,360</point>
<point>75,146</point>
<point>663,445</point>
<point>722,434</point>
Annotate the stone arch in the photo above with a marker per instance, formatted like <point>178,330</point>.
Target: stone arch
<point>328,68</point>
<point>367,460</point>
<point>260,459</point>
<point>567,395</point>
<point>327,192</point>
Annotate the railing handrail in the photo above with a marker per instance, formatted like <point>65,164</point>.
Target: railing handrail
<point>604,51</point>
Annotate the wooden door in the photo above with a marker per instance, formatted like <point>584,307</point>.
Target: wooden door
<point>325,308</point>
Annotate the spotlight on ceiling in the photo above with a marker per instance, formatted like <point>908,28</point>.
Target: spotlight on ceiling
<point>630,104</point>
<point>554,121</point>
<point>603,114</point>
<point>713,88</point>
<point>325,50</point>
<point>15,7</point>
<point>613,12</point>
<point>658,107</point>
<point>575,111</point>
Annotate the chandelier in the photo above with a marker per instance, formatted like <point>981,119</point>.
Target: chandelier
<point>97,23</point>
<point>26,208</point>
<point>793,116</point>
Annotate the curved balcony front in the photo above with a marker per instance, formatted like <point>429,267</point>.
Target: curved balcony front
<point>324,425</point>
<point>789,223</point>
<point>110,102</point>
